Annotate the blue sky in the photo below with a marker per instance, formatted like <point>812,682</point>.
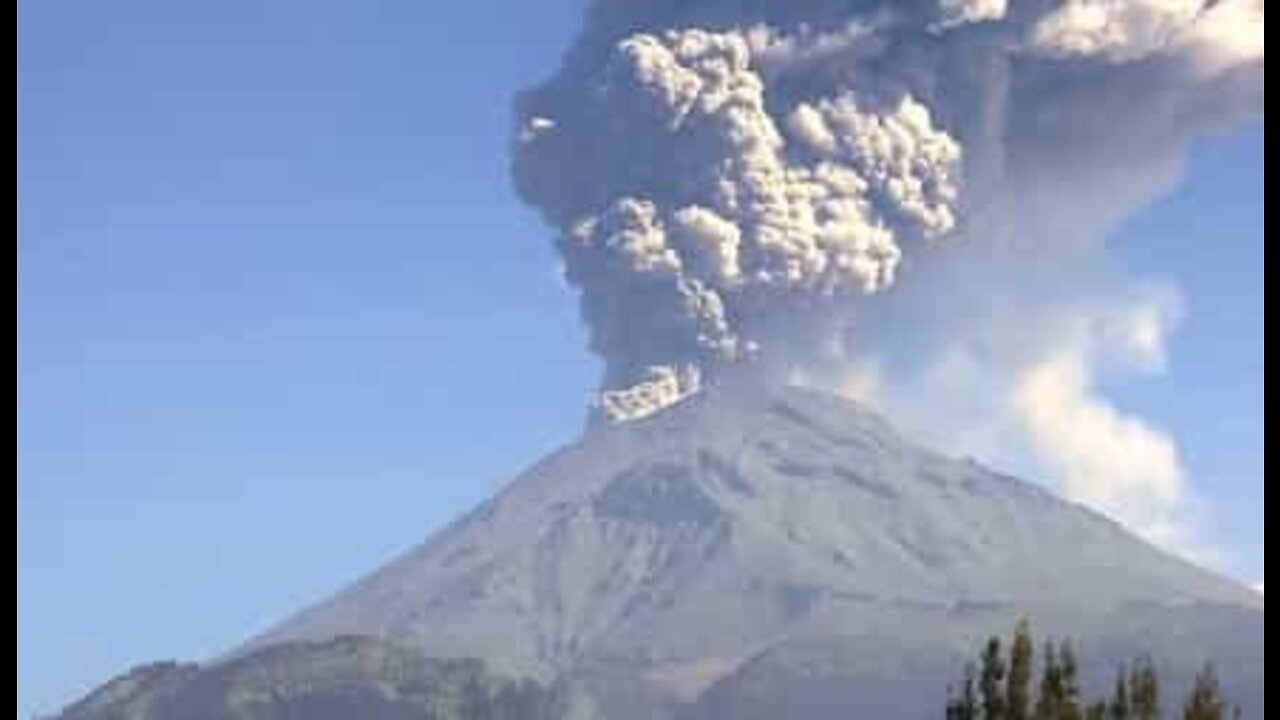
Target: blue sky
<point>280,314</point>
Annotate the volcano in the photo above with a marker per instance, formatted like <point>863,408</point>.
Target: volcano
<point>782,553</point>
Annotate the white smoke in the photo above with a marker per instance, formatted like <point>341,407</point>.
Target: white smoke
<point>915,194</point>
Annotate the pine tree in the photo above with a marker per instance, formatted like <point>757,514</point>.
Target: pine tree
<point>1144,691</point>
<point>992,681</point>
<point>993,690</point>
<point>1049,706</point>
<point>1021,665</point>
<point>1070,708</point>
<point>1205,702</point>
<point>965,707</point>
<point>1120,708</point>
<point>955,708</point>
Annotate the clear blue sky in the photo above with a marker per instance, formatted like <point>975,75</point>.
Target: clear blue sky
<point>280,315</point>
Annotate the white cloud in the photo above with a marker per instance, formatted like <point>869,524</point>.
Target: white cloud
<point>1096,452</point>
<point>1229,34</point>
<point>1137,332</point>
<point>1099,455</point>
<point>1019,380</point>
<point>1117,29</point>
<point>963,12</point>
<point>1216,35</point>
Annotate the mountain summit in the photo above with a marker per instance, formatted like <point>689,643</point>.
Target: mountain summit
<point>749,553</point>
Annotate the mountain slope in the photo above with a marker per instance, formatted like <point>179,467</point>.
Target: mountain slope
<point>338,679</point>
<point>740,530</point>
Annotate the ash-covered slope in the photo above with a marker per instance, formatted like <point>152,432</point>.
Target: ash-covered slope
<point>783,533</point>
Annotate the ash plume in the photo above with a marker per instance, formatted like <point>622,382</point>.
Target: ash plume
<point>908,201</point>
<point>729,181</point>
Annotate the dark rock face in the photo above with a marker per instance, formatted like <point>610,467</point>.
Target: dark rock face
<point>776,554</point>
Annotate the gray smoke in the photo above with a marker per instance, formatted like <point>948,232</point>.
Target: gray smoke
<point>740,183</point>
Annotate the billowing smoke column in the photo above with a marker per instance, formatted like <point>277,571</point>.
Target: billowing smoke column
<point>730,180</point>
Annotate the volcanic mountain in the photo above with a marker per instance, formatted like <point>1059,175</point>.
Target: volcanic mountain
<point>776,533</point>
<point>753,554</point>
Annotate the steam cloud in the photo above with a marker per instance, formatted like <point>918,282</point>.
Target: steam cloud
<point>905,199</point>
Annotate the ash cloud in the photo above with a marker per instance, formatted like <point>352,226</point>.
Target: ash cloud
<point>909,200</point>
<point>725,178</point>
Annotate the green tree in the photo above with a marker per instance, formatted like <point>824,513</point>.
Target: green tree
<point>992,682</point>
<point>993,690</point>
<point>1206,701</point>
<point>1021,667</point>
<point>1049,705</point>
<point>1120,708</point>
<point>1144,691</point>
<point>1071,706</point>
<point>965,706</point>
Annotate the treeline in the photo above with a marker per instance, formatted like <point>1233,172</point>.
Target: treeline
<point>1002,686</point>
